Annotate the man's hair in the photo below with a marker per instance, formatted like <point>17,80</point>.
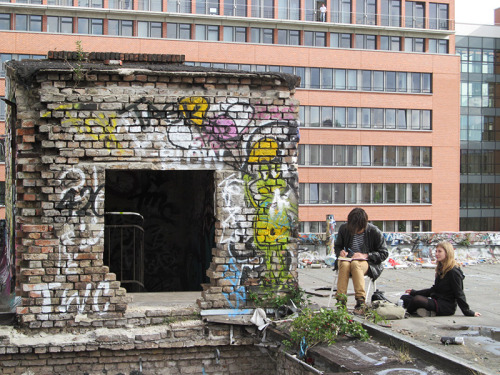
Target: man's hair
<point>357,220</point>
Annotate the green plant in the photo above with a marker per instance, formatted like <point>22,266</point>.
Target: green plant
<point>404,355</point>
<point>286,296</point>
<point>311,328</point>
<point>373,316</point>
<point>81,57</point>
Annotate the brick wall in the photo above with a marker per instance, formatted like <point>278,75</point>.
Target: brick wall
<point>75,120</point>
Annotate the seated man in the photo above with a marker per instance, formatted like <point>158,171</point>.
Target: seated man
<point>364,245</point>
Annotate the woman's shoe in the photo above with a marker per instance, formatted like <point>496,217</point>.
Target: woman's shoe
<point>424,313</point>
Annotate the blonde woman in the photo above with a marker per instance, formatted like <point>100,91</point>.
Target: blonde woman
<point>447,291</point>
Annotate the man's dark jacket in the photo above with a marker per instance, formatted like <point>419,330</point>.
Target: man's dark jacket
<point>373,245</point>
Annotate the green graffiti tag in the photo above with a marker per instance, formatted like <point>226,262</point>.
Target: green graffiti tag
<point>266,191</point>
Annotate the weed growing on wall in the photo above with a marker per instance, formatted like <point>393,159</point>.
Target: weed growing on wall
<point>289,295</point>
<point>81,57</point>
<point>311,328</point>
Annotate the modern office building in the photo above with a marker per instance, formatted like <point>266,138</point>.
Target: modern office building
<point>379,92</point>
<point>479,49</point>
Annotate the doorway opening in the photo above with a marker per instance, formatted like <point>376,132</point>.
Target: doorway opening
<point>159,228</point>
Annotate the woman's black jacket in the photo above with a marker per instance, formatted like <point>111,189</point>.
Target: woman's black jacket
<point>447,292</point>
<point>373,245</point>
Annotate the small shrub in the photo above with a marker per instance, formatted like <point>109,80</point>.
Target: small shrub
<point>311,328</point>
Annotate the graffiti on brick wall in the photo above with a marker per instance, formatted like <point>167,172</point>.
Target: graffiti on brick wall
<point>409,249</point>
<point>233,135</point>
<point>81,197</point>
<point>267,192</point>
<point>99,126</point>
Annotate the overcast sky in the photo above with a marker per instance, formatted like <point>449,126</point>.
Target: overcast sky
<point>476,11</point>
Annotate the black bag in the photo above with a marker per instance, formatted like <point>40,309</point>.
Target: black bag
<point>378,295</point>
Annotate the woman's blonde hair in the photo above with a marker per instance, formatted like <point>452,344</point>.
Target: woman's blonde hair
<point>449,262</point>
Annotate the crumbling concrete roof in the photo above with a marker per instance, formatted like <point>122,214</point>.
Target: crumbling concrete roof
<point>126,64</point>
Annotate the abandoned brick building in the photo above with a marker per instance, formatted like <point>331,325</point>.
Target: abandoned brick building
<point>134,173</point>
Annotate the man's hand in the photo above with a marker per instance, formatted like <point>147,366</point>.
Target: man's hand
<point>343,253</point>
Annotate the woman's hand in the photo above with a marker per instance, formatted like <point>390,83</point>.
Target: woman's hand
<point>343,253</point>
<point>477,314</point>
<point>360,256</point>
<point>408,291</point>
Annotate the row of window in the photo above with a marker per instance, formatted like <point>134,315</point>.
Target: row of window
<point>479,94</point>
<point>478,60</point>
<point>364,194</point>
<point>479,195</point>
<point>479,128</point>
<point>147,29</point>
<point>343,79</point>
<point>479,161</point>
<point>384,226</point>
<point>366,118</point>
<point>341,11</point>
<point>365,156</point>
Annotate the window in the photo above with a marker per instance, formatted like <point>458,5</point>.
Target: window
<point>438,46</point>
<point>366,12</point>
<point>390,43</point>
<point>391,13</point>
<point>265,36</point>
<point>179,6</point>
<point>438,16</point>
<point>314,38</point>
<point>4,57</point>
<point>4,21</point>
<point>366,41</point>
<point>289,9</point>
<point>149,29</point>
<point>207,6</point>
<point>340,11</point>
<point>26,22</point>
<point>92,26</point>
<point>120,27</point>
<point>402,156</point>
<point>59,25</point>
<point>2,139</point>
<point>415,14</point>
<point>236,8</point>
<point>263,8</point>
<point>151,5</point>
<point>290,37</point>
<point>325,193</point>
<point>340,40</point>
<point>67,3</point>
<point>2,118</point>
<point>235,34</point>
<point>206,32</point>
<point>120,4</point>
<point>2,193</point>
<point>178,30</point>
<point>91,3</point>
<point>29,1</point>
<point>414,44</point>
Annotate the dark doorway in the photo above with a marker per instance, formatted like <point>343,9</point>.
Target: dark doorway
<point>175,210</point>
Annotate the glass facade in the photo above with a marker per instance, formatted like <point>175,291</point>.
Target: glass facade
<point>479,133</point>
